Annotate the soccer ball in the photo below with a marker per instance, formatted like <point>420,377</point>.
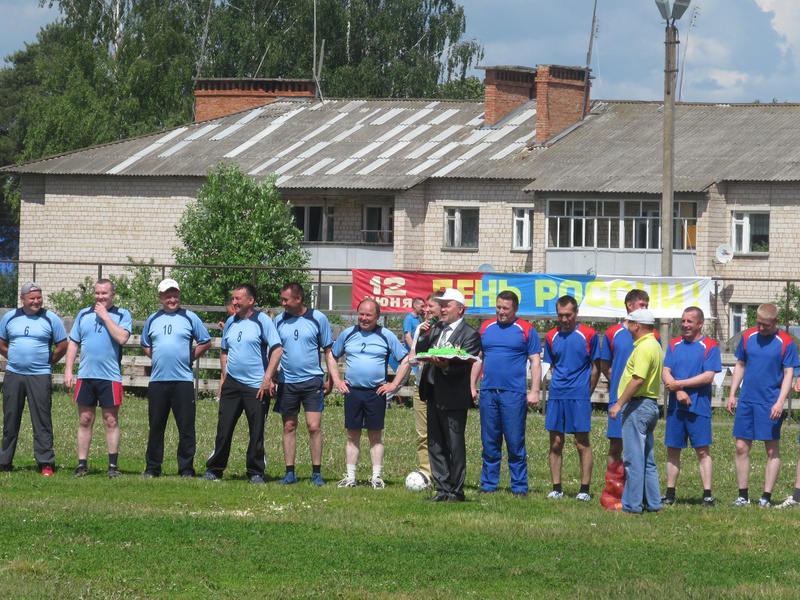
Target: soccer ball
<point>417,481</point>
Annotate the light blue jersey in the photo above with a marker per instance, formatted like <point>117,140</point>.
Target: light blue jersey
<point>31,339</point>
<point>367,354</point>
<point>169,336</point>
<point>302,337</point>
<point>101,355</point>
<point>249,343</point>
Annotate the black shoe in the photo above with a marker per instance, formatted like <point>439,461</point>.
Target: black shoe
<point>520,494</point>
<point>667,501</point>
<point>187,475</point>
<point>80,471</point>
<point>709,501</point>
<point>440,497</point>
<point>455,498</point>
<point>483,492</point>
<point>6,468</point>
<point>148,475</point>
<point>113,472</point>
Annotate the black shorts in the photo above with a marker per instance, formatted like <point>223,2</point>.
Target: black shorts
<point>98,392</point>
<point>310,393</point>
<point>364,409</point>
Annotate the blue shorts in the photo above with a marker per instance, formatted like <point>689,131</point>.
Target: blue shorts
<point>752,422</point>
<point>364,409</point>
<point>614,428</point>
<point>683,425</point>
<point>310,393</point>
<point>98,392</point>
<point>568,416</point>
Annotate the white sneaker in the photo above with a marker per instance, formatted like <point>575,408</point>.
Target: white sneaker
<point>788,503</point>
<point>554,495</point>
<point>377,482</point>
<point>583,497</point>
<point>764,503</point>
<point>740,501</point>
<point>347,482</point>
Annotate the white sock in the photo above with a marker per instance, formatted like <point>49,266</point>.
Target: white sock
<point>351,471</point>
<point>376,470</point>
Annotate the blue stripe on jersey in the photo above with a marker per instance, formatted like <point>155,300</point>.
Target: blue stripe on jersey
<point>101,355</point>
<point>248,343</point>
<point>30,340</point>
<point>169,336</point>
<point>302,337</point>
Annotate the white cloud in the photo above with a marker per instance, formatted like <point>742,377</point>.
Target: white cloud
<point>786,23</point>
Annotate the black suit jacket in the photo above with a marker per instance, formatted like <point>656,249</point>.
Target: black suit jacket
<point>451,389</point>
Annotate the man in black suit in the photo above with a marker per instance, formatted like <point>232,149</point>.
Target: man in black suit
<point>448,390</point>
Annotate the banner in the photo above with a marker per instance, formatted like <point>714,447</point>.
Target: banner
<point>597,295</point>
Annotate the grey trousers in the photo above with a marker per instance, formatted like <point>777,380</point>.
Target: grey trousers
<point>38,389</point>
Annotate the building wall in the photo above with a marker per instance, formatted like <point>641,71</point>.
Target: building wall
<point>97,219</point>
<point>423,234</point>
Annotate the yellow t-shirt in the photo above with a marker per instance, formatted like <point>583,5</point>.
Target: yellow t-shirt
<point>646,362</point>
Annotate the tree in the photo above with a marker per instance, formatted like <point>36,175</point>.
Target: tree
<point>237,221</point>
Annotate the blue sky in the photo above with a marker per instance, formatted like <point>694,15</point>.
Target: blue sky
<point>737,51</point>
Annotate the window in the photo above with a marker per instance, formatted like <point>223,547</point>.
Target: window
<point>523,228</point>
<point>316,222</point>
<point>461,228</point>
<point>739,316</point>
<point>616,224</point>
<point>684,226</point>
<point>750,232</point>
<point>378,225</point>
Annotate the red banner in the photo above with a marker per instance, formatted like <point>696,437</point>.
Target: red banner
<point>396,290</point>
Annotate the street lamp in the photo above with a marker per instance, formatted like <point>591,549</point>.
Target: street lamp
<point>670,12</point>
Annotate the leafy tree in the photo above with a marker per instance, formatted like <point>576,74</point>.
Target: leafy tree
<point>8,286</point>
<point>237,221</point>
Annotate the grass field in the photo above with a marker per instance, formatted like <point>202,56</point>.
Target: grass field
<point>174,538</point>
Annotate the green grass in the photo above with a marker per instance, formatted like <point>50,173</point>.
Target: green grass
<point>130,538</point>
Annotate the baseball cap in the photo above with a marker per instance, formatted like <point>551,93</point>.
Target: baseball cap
<point>642,315</point>
<point>30,286</point>
<point>168,284</point>
<point>452,294</point>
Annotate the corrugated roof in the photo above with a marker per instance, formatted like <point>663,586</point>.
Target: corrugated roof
<point>338,144</point>
<point>396,144</point>
<point>619,149</point>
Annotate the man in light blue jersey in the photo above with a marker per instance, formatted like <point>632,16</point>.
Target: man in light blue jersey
<point>167,339</point>
<point>32,339</point>
<point>99,332</point>
<point>250,354</point>
<point>303,332</point>
<point>367,347</point>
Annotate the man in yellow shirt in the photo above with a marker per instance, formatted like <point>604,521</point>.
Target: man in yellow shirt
<point>638,392</point>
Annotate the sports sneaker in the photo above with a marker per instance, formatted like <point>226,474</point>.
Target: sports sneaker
<point>788,503</point>
<point>554,495</point>
<point>347,482</point>
<point>764,503</point>
<point>47,471</point>
<point>666,501</point>
<point>316,479</point>
<point>211,477</point>
<point>257,480</point>
<point>740,501</point>
<point>149,475</point>
<point>709,501</point>
<point>519,494</point>
<point>80,471</point>
<point>583,497</point>
<point>288,478</point>
<point>113,472</point>
<point>377,482</point>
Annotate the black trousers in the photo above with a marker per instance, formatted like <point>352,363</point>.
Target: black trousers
<point>38,390</point>
<point>235,399</point>
<point>178,397</point>
<point>447,449</point>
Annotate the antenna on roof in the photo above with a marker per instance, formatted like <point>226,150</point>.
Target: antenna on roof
<point>317,73</point>
<point>589,62</point>
<point>692,23</point>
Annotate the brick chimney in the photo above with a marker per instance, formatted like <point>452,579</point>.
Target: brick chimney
<point>558,91</point>
<point>215,98</point>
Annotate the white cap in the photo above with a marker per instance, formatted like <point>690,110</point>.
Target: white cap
<point>452,294</point>
<point>642,315</point>
<point>168,284</point>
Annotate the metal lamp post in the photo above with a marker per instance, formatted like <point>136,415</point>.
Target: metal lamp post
<point>670,14</point>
